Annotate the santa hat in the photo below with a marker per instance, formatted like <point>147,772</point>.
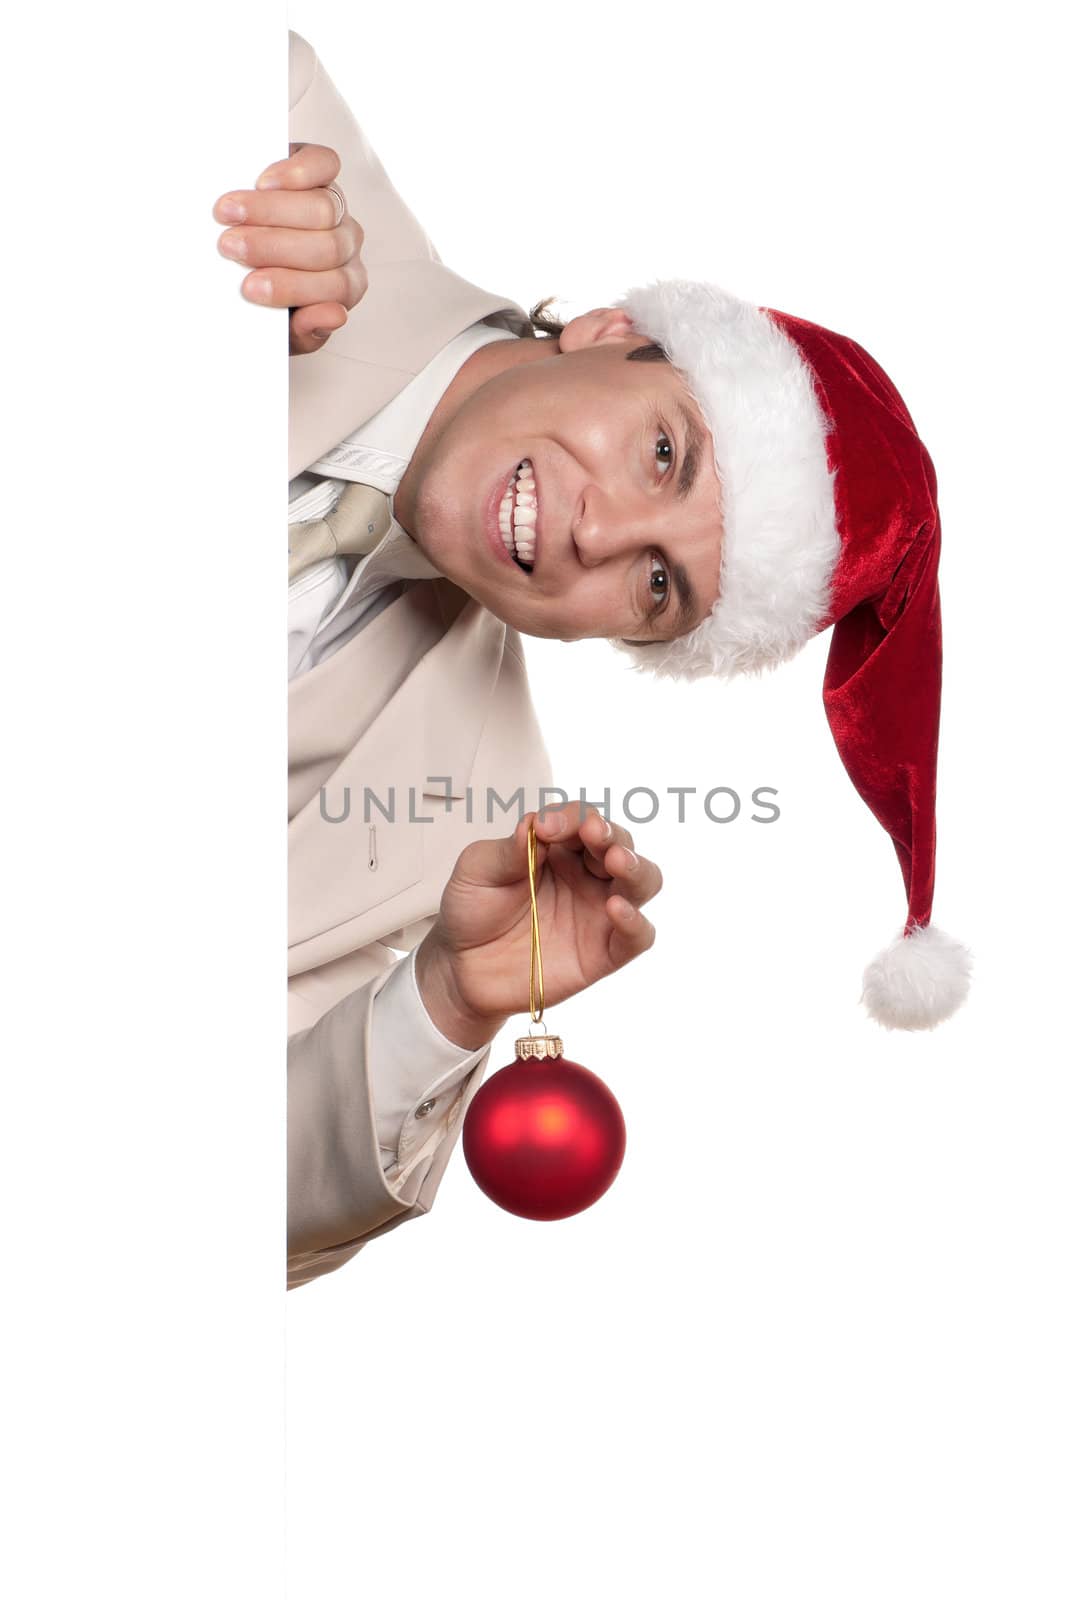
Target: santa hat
<point>830,517</point>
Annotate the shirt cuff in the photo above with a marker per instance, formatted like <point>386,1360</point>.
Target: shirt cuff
<point>417,1077</point>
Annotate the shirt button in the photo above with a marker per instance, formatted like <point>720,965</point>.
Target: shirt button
<point>423,1110</point>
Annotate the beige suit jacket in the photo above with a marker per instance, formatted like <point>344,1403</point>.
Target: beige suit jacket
<point>432,690</point>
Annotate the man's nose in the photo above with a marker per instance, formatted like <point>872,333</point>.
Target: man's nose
<point>610,524</point>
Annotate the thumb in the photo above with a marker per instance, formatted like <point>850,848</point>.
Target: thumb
<point>310,326</point>
<point>494,863</point>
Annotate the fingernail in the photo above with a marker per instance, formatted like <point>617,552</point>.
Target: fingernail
<point>266,182</point>
<point>232,211</point>
<point>323,333</point>
<point>258,288</point>
<point>627,911</point>
<point>232,245</point>
<point>630,859</point>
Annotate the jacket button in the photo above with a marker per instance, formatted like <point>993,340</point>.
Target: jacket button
<point>423,1109</point>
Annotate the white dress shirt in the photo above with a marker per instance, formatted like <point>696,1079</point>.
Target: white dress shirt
<point>329,602</point>
<point>419,1073</point>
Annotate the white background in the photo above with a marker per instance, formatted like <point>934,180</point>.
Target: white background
<point>827,1333</point>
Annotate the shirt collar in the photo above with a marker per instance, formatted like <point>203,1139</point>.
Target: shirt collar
<point>378,452</point>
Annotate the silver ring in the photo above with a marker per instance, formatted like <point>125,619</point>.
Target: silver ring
<point>339,197</point>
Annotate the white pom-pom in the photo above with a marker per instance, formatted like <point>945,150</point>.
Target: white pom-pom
<point>917,981</point>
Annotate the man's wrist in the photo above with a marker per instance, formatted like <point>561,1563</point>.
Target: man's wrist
<point>445,1005</point>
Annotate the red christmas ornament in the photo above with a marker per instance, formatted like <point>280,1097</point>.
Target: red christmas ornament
<point>543,1137</point>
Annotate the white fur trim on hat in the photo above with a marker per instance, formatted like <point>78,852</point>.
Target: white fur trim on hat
<point>919,980</point>
<point>780,544</point>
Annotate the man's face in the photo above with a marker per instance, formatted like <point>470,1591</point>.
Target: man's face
<point>620,532</point>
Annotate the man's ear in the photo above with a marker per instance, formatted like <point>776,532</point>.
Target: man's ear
<point>606,325</point>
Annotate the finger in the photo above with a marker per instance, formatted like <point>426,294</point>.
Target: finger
<point>574,824</point>
<point>605,847</point>
<point>278,208</point>
<point>308,166</point>
<point>631,933</point>
<point>598,834</point>
<point>309,328</point>
<point>583,830</point>
<point>283,286</point>
<point>305,249</point>
<point>638,878</point>
<point>594,866</point>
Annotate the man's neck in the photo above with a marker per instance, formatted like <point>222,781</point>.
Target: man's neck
<point>480,368</point>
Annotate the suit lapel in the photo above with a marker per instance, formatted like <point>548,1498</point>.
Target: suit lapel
<point>412,692</point>
<point>410,311</point>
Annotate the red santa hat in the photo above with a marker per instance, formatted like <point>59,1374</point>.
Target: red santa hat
<point>830,518</point>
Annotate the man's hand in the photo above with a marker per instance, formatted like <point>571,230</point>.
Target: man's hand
<point>473,968</point>
<point>287,228</point>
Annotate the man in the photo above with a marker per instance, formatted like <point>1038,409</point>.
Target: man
<point>404,686</point>
<point>704,482</point>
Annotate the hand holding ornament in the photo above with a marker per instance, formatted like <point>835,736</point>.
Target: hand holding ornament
<point>472,966</point>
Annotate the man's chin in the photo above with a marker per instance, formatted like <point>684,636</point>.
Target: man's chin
<point>511,608</point>
<point>533,627</point>
<point>514,615</point>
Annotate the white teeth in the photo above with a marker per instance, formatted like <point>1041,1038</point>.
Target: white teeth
<point>518,514</point>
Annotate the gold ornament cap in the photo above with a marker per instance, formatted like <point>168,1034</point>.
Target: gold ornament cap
<point>539,1047</point>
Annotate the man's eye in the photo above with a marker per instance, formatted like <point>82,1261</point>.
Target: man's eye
<point>659,582</point>
<point>664,452</point>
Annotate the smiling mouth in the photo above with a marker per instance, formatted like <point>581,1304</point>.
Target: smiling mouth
<point>518,516</point>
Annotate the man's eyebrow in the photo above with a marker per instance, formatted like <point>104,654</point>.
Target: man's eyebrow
<point>695,446</point>
<point>687,600</point>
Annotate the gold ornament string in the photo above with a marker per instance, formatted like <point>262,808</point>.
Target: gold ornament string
<point>537,981</point>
